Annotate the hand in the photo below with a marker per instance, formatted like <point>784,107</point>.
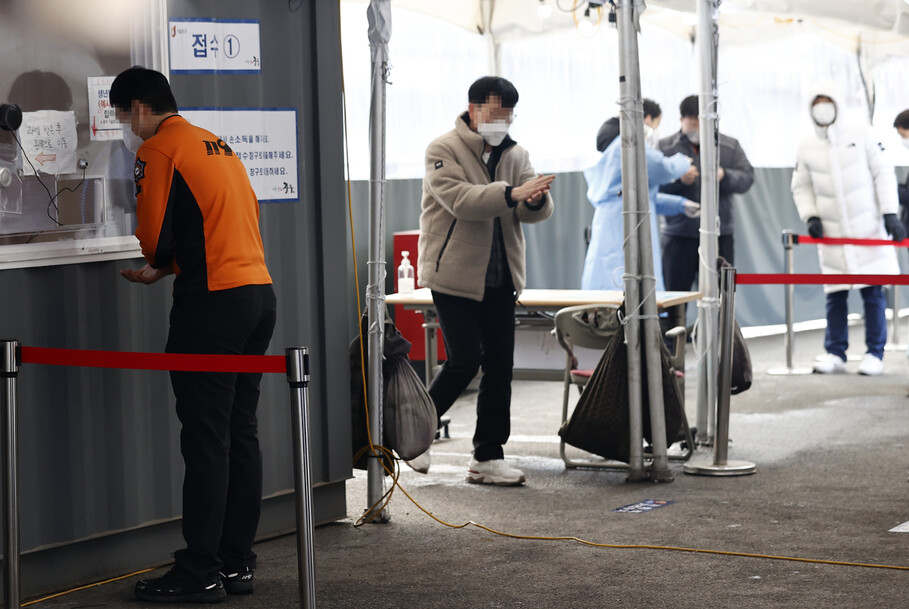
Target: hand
<point>720,174</point>
<point>894,227</point>
<point>689,176</point>
<point>146,274</point>
<point>692,209</point>
<point>815,228</point>
<point>533,189</point>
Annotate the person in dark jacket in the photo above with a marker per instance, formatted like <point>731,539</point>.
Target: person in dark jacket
<point>681,234</point>
<point>901,124</point>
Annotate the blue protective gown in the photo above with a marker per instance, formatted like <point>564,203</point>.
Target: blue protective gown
<point>605,261</point>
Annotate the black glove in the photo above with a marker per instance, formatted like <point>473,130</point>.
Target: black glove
<point>894,227</point>
<point>815,228</point>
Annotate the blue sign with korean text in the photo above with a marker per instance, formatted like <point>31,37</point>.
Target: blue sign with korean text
<point>205,46</point>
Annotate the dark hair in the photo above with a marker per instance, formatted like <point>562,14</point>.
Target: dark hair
<point>651,109</point>
<point>689,107</point>
<point>608,132</point>
<point>902,120</point>
<point>146,86</point>
<point>482,88</point>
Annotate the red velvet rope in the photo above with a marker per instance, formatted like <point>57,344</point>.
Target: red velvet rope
<point>155,361</point>
<point>807,239</point>
<point>818,279</point>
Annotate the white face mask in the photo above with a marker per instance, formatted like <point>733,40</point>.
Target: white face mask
<point>905,141</point>
<point>651,136</point>
<point>493,133</point>
<point>694,137</point>
<point>823,113</point>
<point>131,140</point>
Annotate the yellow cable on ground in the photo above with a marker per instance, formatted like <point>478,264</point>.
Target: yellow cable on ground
<point>86,587</point>
<point>640,546</point>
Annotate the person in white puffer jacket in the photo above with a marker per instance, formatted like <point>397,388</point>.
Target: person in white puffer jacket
<point>844,187</point>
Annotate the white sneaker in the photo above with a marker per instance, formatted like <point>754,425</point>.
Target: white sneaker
<point>495,471</point>
<point>871,365</point>
<point>420,463</point>
<point>830,365</point>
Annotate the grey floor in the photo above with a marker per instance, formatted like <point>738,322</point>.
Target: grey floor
<point>831,482</point>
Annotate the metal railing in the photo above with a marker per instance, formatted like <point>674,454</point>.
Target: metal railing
<point>297,369</point>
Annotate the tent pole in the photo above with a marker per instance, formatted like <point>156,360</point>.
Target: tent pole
<point>639,280</point>
<point>493,48</point>
<point>379,15</point>
<point>708,306</point>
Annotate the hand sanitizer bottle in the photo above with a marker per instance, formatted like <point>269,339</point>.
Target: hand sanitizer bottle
<point>405,275</point>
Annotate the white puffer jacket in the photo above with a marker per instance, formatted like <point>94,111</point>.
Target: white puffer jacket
<point>843,178</point>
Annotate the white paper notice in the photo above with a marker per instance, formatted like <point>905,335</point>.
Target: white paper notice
<point>214,45</point>
<point>49,140</point>
<point>265,139</point>
<point>102,117</point>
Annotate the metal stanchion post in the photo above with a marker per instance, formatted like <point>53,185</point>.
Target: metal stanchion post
<point>10,371</point>
<point>789,241</point>
<point>721,466</point>
<point>298,379</point>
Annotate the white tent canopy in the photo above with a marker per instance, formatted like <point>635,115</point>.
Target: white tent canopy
<point>569,82</point>
<point>517,18</point>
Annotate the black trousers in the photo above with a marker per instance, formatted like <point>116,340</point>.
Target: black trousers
<point>478,334</point>
<point>680,260</point>
<point>222,485</point>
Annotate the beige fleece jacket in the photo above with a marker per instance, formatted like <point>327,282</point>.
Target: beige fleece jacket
<point>460,204</point>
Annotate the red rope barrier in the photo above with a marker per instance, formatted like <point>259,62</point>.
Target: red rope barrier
<point>818,279</point>
<point>185,362</point>
<point>807,239</point>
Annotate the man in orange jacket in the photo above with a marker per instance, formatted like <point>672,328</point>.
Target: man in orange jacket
<point>198,218</point>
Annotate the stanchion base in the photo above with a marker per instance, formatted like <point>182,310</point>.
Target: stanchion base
<point>789,371</point>
<point>890,347</point>
<point>731,468</point>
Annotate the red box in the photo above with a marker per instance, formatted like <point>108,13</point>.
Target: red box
<point>410,323</point>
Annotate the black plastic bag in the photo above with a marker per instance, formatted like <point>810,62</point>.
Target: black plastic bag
<point>600,421</point>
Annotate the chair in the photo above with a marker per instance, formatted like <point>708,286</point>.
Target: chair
<point>592,327</point>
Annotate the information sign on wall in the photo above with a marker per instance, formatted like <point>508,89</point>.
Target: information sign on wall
<point>200,46</point>
<point>102,119</point>
<point>265,139</point>
<point>49,140</point>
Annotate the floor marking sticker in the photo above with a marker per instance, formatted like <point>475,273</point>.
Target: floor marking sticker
<point>643,506</point>
<point>900,528</point>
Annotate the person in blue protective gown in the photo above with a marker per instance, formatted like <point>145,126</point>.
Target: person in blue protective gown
<point>605,261</point>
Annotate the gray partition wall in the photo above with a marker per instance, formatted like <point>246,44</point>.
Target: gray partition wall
<point>100,467</point>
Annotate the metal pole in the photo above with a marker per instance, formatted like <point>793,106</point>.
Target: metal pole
<point>298,379</point>
<point>707,273</point>
<point>633,146</point>
<point>379,16</point>
<point>630,71</point>
<point>789,241</point>
<point>9,353</point>
<point>721,466</point>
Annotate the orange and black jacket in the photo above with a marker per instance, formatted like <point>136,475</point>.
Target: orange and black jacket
<point>197,212</point>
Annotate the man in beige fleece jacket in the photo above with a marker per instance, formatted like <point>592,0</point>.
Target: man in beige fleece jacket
<point>478,188</point>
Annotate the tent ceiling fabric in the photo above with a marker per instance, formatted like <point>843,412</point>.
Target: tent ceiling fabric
<point>515,18</point>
